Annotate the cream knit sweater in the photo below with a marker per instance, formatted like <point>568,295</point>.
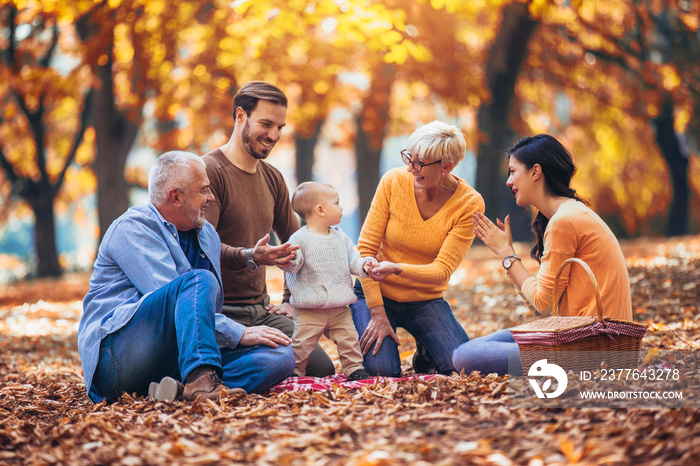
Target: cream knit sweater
<point>320,276</point>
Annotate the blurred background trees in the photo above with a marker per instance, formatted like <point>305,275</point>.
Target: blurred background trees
<point>44,118</point>
<point>86,88</point>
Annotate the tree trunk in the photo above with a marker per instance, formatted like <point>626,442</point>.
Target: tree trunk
<point>41,200</point>
<point>114,137</point>
<point>677,162</point>
<point>371,130</point>
<point>115,130</point>
<point>507,53</point>
<point>304,150</point>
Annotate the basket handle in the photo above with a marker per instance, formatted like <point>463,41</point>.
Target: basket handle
<point>555,302</point>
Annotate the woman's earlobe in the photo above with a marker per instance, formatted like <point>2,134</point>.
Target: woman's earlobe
<point>536,171</point>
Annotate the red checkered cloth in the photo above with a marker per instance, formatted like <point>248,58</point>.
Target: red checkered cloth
<point>294,384</point>
<point>610,330</point>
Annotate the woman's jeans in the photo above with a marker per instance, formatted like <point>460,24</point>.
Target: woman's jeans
<point>171,334</point>
<point>431,323</point>
<point>496,352</point>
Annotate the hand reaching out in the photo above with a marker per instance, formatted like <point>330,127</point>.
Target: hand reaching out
<point>281,256</point>
<point>497,237</point>
<point>379,271</point>
<point>369,264</point>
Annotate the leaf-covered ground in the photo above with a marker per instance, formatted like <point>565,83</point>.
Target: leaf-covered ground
<point>46,418</point>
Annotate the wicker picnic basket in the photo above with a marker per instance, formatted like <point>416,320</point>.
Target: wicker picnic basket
<point>579,342</point>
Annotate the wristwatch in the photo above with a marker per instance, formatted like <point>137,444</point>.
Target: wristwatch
<point>249,262</point>
<point>508,261</point>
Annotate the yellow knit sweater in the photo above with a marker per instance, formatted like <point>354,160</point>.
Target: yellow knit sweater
<point>429,250</point>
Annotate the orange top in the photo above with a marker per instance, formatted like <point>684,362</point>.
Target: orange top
<point>576,231</point>
<point>429,250</point>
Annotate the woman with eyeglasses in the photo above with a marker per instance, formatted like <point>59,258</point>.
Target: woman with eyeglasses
<point>420,227</point>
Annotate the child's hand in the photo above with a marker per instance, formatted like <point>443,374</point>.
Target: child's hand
<point>382,270</point>
<point>369,265</point>
<point>283,309</point>
<point>288,255</point>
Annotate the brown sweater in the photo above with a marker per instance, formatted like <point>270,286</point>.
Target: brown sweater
<point>247,207</point>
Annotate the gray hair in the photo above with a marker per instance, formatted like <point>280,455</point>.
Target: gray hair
<point>170,170</point>
<point>438,140</point>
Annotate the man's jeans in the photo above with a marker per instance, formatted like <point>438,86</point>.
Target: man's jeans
<point>488,354</point>
<point>171,334</point>
<point>431,323</point>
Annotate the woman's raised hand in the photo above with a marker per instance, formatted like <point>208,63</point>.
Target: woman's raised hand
<point>498,238</point>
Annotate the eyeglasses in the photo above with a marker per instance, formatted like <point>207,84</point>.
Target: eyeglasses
<point>417,166</point>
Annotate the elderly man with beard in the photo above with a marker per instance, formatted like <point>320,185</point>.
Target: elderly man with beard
<point>251,200</point>
<point>152,317</point>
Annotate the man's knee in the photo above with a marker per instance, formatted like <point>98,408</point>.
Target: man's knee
<point>203,282</point>
<point>278,361</point>
<point>202,277</point>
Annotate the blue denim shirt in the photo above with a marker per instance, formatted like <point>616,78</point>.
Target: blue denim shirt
<point>139,254</point>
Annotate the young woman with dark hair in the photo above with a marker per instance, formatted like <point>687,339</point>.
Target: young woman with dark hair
<point>539,175</point>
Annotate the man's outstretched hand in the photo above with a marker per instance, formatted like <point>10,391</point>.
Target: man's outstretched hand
<point>281,256</point>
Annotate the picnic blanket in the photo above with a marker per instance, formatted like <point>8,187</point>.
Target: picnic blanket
<point>294,384</point>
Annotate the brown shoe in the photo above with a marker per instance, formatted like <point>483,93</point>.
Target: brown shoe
<point>168,389</point>
<point>208,385</point>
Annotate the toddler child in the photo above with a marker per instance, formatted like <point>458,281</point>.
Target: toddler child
<point>320,280</point>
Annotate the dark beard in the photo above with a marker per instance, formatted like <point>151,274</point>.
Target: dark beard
<point>248,143</point>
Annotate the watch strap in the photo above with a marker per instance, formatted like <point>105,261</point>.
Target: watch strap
<point>510,260</point>
<point>250,263</point>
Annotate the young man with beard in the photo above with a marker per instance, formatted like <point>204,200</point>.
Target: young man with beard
<point>153,311</point>
<point>252,199</point>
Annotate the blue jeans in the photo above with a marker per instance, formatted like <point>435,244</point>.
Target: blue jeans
<point>171,334</point>
<point>496,352</point>
<point>431,323</point>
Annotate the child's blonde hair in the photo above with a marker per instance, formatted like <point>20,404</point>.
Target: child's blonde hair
<point>306,197</point>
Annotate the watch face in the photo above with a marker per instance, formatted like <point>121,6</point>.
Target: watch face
<point>507,263</point>
<point>251,265</point>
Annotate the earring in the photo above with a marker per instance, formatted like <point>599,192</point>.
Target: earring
<point>443,173</point>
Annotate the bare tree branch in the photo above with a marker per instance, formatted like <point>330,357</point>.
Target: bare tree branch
<point>7,166</point>
<point>87,106</point>
<point>11,58</point>
<point>46,59</point>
